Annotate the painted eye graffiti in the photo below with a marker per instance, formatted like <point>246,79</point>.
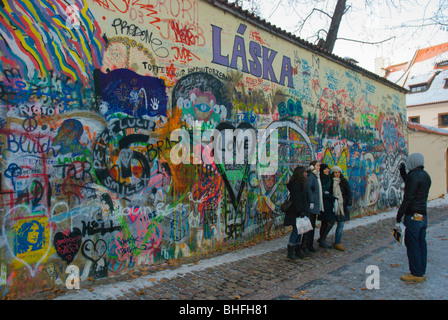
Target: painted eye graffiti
<point>203,107</point>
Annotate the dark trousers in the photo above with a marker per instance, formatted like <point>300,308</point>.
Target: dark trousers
<point>308,237</point>
<point>325,229</point>
<point>294,237</point>
<point>415,241</point>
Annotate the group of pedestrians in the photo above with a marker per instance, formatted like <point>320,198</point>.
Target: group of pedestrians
<point>323,193</point>
<point>320,193</point>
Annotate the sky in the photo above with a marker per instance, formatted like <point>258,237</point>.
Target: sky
<point>373,23</point>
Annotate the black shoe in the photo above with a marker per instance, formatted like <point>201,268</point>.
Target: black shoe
<point>299,252</point>
<point>306,252</point>
<point>324,231</point>
<point>325,245</point>
<point>312,249</point>
<point>291,253</point>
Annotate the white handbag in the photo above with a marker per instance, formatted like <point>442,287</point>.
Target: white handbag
<point>303,225</point>
<point>399,232</point>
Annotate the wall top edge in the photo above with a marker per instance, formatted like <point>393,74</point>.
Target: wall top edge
<point>262,23</point>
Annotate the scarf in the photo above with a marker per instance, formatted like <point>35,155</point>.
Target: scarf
<point>321,197</point>
<point>338,194</point>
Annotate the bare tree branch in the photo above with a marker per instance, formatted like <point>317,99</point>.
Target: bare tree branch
<point>367,42</point>
<point>309,15</point>
<point>313,21</point>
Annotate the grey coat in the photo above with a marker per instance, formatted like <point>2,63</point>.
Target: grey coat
<point>312,193</point>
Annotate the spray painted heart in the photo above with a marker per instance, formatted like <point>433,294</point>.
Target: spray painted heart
<point>94,251</point>
<point>203,104</point>
<point>235,175</point>
<point>27,237</point>
<point>67,245</point>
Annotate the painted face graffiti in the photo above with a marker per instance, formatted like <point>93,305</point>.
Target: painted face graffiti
<point>29,237</point>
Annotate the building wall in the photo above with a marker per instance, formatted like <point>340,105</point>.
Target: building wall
<point>429,114</point>
<point>434,148</point>
<point>90,100</point>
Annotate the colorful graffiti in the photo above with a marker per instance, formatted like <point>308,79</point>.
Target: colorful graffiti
<point>91,92</point>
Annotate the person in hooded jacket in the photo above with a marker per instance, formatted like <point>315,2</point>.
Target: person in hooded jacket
<point>297,188</point>
<point>342,191</point>
<point>314,204</point>
<point>414,210</point>
<point>327,216</point>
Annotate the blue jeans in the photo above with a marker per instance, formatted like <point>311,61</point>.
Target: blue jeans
<point>415,241</point>
<point>338,232</point>
<point>295,237</point>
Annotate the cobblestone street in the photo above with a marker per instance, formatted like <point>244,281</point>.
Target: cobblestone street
<point>262,272</point>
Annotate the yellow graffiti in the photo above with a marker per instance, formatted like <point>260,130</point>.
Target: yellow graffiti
<point>341,162</point>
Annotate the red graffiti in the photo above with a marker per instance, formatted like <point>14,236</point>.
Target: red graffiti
<point>124,6</point>
<point>184,34</point>
<point>184,55</point>
<point>255,35</point>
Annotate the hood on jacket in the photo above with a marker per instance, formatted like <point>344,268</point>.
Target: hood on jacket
<point>414,160</point>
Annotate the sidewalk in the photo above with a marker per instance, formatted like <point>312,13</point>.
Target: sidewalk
<point>263,272</point>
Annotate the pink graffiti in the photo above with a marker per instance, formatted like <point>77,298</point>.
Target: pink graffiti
<point>147,239</point>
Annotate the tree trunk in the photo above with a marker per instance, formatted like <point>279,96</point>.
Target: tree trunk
<point>334,26</point>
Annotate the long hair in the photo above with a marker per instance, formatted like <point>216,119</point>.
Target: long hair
<point>313,163</point>
<point>341,176</point>
<point>22,243</point>
<point>298,175</point>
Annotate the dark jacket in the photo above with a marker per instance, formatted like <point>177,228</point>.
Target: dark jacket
<point>347,197</point>
<point>312,193</point>
<point>298,207</point>
<point>416,191</point>
<point>328,198</point>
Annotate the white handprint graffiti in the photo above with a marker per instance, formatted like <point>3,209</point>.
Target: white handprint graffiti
<point>154,103</point>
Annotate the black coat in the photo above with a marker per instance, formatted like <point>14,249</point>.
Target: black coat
<point>347,197</point>
<point>328,198</point>
<point>416,191</point>
<point>298,207</point>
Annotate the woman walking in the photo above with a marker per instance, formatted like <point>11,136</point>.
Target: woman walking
<point>296,187</point>
<point>341,190</point>
<point>327,216</point>
<point>314,204</point>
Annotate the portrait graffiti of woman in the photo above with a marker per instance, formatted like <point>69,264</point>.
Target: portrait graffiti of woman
<point>29,237</point>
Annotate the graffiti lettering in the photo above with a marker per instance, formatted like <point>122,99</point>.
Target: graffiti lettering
<point>256,67</point>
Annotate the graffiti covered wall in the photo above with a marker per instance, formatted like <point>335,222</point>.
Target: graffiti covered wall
<point>91,92</point>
